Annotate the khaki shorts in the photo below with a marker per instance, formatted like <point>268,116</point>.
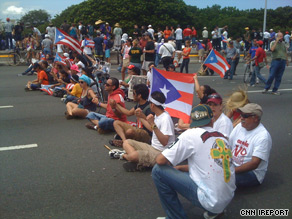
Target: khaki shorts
<point>126,62</point>
<point>201,52</point>
<point>147,153</point>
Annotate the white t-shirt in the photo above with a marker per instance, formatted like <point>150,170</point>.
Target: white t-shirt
<point>178,34</point>
<point>223,125</point>
<point>214,34</point>
<point>205,34</point>
<point>86,50</point>
<point>149,77</point>
<point>164,51</point>
<point>51,32</point>
<point>165,125</point>
<point>225,35</point>
<point>80,65</point>
<point>266,35</point>
<point>150,30</point>
<point>36,30</point>
<point>215,181</point>
<point>246,144</point>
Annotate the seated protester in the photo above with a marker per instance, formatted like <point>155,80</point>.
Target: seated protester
<point>208,181</point>
<point>62,81</point>
<point>104,123</point>
<point>29,70</point>
<point>171,68</point>
<point>202,91</point>
<point>236,100</point>
<point>42,78</point>
<point>251,145</point>
<point>140,154</point>
<point>149,74</point>
<point>127,131</point>
<point>76,91</point>
<point>221,122</point>
<point>132,70</point>
<point>86,103</point>
<point>88,73</point>
<point>79,63</point>
<point>181,126</point>
<point>74,70</point>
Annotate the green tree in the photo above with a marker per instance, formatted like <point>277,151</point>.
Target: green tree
<point>35,18</point>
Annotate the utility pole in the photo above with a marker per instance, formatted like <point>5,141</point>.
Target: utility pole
<point>265,18</point>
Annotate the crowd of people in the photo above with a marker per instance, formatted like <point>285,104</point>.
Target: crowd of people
<point>224,142</point>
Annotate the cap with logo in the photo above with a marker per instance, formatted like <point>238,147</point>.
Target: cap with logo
<point>215,98</point>
<point>201,115</point>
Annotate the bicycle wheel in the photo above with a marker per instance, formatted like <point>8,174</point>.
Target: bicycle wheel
<point>13,59</point>
<point>247,74</point>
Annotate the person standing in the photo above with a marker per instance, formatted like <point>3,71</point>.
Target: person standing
<point>37,34</point>
<point>47,45</point>
<point>178,38</point>
<point>279,60</point>
<point>247,38</point>
<point>51,31</point>
<point>205,35</point>
<point>231,54</point>
<point>266,40</point>
<point>149,52</point>
<point>65,27</point>
<point>8,27</point>
<point>167,53</point>
<point>208,181</point>
<point>186,56</point>
<point>118,36</point>
<point>187,33</point>
<point>18,29</point>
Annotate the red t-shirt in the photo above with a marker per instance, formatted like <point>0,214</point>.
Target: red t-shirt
<point>194,33</point>
<point>187,32</point>
<point>43,76</point>
<point>187,50</point>
<point>118,95</point>
<point>260,54</point>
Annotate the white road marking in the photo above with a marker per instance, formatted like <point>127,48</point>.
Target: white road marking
<point>260,91</point>
<point>17,147</point>
<point>3,107</point>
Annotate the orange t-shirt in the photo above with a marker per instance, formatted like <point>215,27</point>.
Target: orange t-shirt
<point>187,50</point>
<point>167,33</point>
<point>43,76</point>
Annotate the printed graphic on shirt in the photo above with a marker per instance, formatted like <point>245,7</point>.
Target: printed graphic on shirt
<point>170,146</point>
<point>222,156</point>
<point>240,151</point>
<point>207,135</point>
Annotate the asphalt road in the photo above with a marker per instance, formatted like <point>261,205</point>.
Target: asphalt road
<point>69,173</point>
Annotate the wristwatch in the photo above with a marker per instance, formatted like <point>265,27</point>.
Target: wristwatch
<point>154,126</point>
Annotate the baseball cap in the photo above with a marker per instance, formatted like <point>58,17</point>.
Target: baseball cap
<point>149,25</point>
<point>74,67</point>
<point>252,108</point>
<point>260,42</point>
<point>215,98</point>
<point>75,78</point>
<point>47,35</point>
<point>247,28</point>
<point>201,115</point>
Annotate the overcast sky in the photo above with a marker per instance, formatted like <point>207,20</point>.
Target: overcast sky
<point>15,9</point>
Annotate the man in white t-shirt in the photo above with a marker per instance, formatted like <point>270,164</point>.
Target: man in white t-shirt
<point>151,30</point>
<point>251,145</point>
<point>178,38</point>
<point>140,154</point>
<point>208,181</point>
<point>167,53</point>
<point>221,122</point>
<point>87,50</point>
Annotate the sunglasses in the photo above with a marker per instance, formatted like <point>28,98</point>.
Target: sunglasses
<point>246,115</point>
<point>81,82</point>
<point>214,96</point>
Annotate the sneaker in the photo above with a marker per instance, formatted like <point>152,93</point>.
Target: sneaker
<point>207,216</point>
<point>19,75</point>
<point>116,154</point>
<point>257,81</point>
<point>63,99</point>
<point>90,125</point>
<point>161,218</point>
<point>265,91</point>
<point>276,93</point>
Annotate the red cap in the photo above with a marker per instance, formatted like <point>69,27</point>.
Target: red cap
<point>215,98</point>
<point>287,32</point>
<point>131,66</point>
<point>260,42</point>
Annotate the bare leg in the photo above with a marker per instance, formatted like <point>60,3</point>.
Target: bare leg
<point>123,129</point>
<point>70,106</point>
<point>123,73</point>
<point>82,113</point>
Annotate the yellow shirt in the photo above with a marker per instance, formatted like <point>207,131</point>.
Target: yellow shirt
<point>77,90</point>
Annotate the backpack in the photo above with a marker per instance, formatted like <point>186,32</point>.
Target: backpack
<point>110,44</point>
<point>83,30</point>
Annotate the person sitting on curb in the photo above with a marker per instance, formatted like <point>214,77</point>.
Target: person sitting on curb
<point>127,131</point>
<point>208,181</point>
<point>104,123</point>
<point>42,78</point>
<point>251,146</point>
<point>140,154</point>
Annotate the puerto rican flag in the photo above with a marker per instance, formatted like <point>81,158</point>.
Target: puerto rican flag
<point>178,88</point>
<point>223,39</point>
<point>63,38</point>
<point>217,63</point>
<point>88,43</point>
<point>60,59</point>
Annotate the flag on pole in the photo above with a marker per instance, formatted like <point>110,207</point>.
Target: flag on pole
<point>63,38</point>
<point>178,88</point>
<point>223,39</point>
<point>88,43</point>
<point>60,59</point>
<point>217,63</point>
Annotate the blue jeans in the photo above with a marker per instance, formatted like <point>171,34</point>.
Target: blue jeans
<point>231,70</point>
<point>157,59</point>
<point>104,122</point>
<point>47,51</point>
<point>9,44</point>
<point>29,69</point>
<point>70,98</point>
<point>256,73</point>
<point>246,179</point>
<point>185,63</point>
<point>169,182</point>
<point>138,65</point>
<point>194,40</point>
<point>276,72</point>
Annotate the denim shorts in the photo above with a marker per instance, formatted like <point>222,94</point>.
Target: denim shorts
<point>107,53</point>
<point>104,122</point>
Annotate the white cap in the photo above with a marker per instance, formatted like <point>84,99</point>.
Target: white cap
<point>47,35</point>
<point>66,55</point>
<point>149,25</point>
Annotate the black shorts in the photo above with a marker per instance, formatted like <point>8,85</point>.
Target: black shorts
<point>166,61</point>
<point>17,37</point>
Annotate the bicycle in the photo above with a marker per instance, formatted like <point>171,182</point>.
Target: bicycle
<point>247,73</point>
<point>15,57</point>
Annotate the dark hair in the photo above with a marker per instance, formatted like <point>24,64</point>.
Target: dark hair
<point>64,73</point>
<point>45,63</point>
<point>136,70</point>
<point>151,63</point>
<point>115,82</point>
<point>208,90</point>
<point>37,65</point>
<point>141,89</point>
<point>159,96</point>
